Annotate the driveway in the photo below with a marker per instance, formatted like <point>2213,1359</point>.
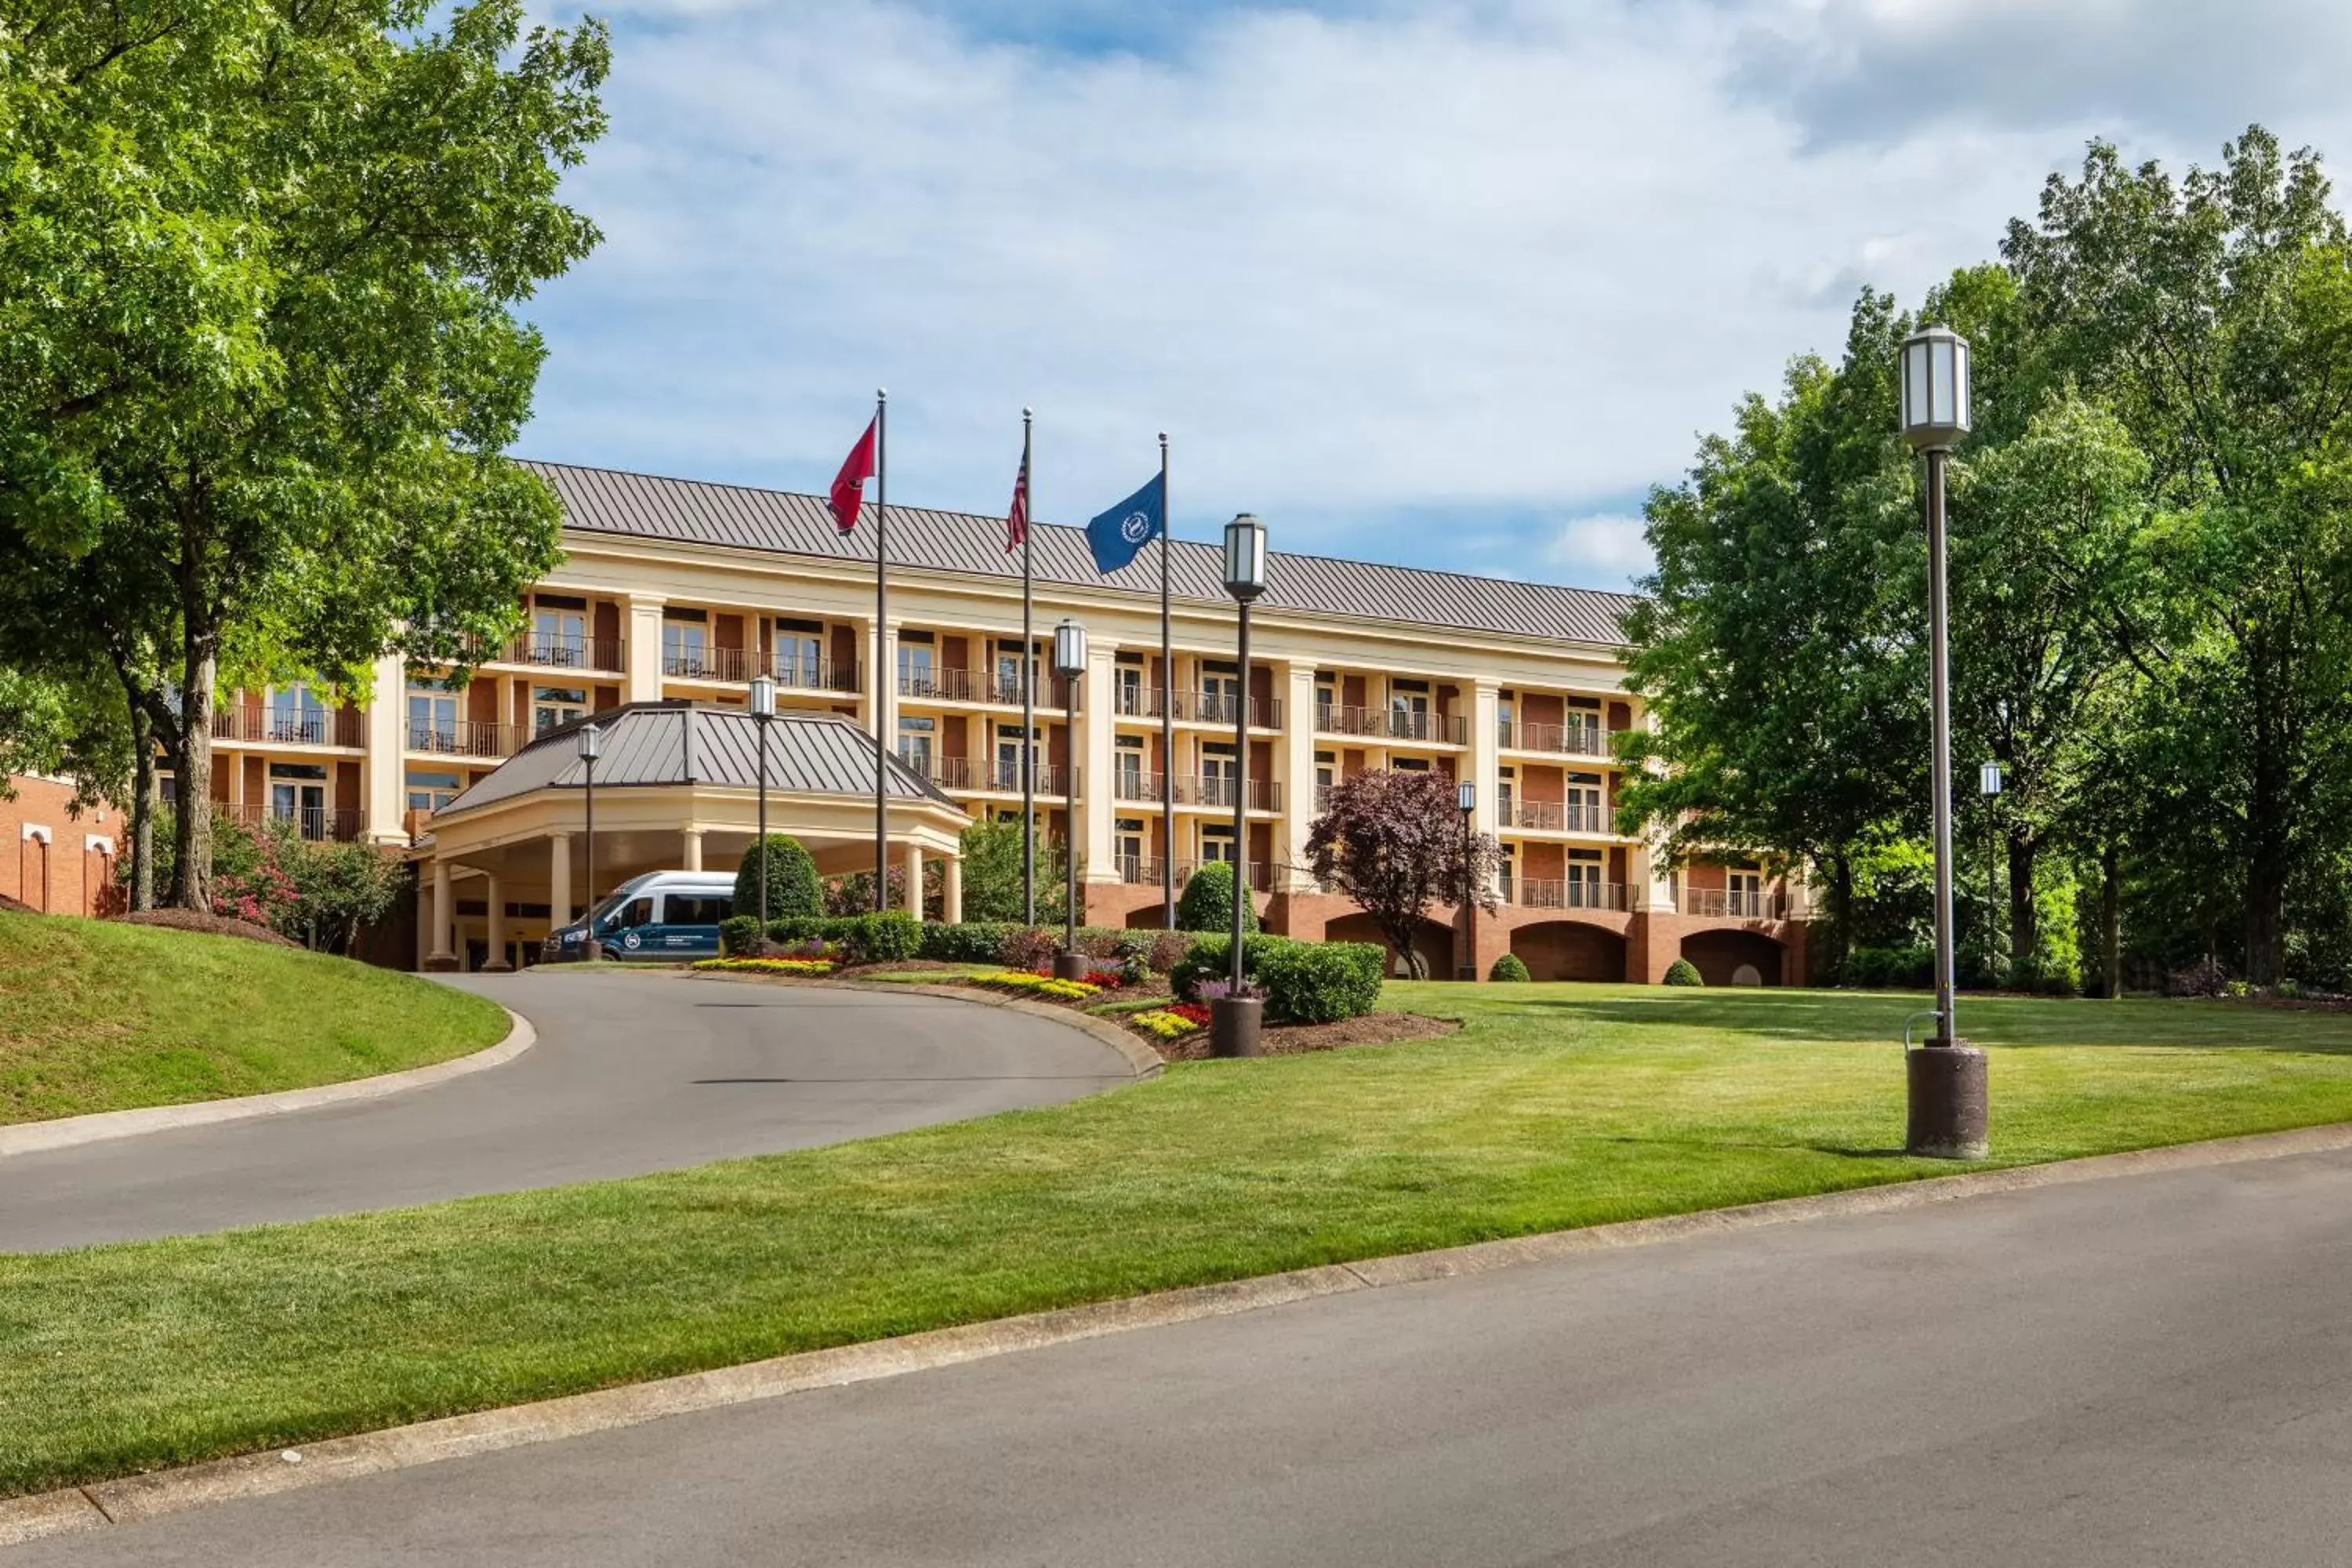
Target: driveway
<point>632,1072</point>
<point>2136,1371</point>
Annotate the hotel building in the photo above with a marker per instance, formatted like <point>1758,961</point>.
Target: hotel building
<point>679,592</point>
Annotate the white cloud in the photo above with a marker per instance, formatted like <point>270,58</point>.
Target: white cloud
<point>1606,549</point>
<point>1492,262</point>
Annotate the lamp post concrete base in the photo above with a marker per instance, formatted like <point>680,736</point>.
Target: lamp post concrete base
<point>1072,966</point>
<point>1233,1023</point>
<point>1946,1091</point>
<point>591,951</point>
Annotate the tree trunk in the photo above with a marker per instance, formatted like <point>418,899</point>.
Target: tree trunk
<point>142,809</point>
<point>2024,924</point>
<point>2111,949</point>
<point>2265,913</point>
<point>1840,915</point>
<point>192,826</point>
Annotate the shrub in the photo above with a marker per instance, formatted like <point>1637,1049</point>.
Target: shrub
<point>2237,988</point>
<point>1683,972</point>
<point>1027,947</point>
<point>738,935</point>
<point>1881,966</point>
<point>973,942</point>
<point>793,887</point>
<point>1303,982</point>
<point>1508,967</point>
<point>2206,977</point>
<point>1207,902</point>
<point>2288,991</point>
<point>886,938</point>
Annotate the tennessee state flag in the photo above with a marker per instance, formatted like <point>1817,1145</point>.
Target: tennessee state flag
<point>849,485</point>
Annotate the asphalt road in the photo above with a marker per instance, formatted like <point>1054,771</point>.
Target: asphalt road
<point>2146,1371</point>
<point>632,1072</point>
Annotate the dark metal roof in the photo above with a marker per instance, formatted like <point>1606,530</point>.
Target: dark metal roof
<point>675,742</point>
<point>604,500</point>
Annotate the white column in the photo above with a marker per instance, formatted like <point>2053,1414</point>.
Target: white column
<point>1487,751</point>
<point>1097,722</point>
<point>559,880</point>
<point>384,773</point>
<point>693,836</point>
<point>442,955</point>
<point>1653,881</point>
<point>882,684</point>
<point>951,889</point>
<point>914,865</point>
<point>494,897</point>
<point>644,650</point>
<point>1295,766</point>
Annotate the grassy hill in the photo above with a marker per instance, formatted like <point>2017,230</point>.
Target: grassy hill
<point>96,1016</point>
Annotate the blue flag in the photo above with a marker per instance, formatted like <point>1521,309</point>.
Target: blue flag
<point>1118,534</point>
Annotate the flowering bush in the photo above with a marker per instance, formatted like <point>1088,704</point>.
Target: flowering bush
<point>1164,1022</point>
<point>1190,1012</point>
<point>1036,984</point>
<point>803,966</point>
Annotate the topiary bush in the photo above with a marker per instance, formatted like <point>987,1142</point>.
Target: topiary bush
<point>1508,967</point>
<point>1207,900</point>
<point>1303,982</point>
<point>1683,972</point>
<point>792,887</point>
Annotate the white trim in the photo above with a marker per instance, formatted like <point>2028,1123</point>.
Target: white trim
<point>35,830</point>
<point>97,841</point>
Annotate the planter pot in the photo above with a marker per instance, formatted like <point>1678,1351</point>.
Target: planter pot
<point>1234,1023</point>
<point>1072,966</point>
<point>1947,1086</point>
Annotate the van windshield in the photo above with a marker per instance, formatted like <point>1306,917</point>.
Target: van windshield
<point>618,897</point>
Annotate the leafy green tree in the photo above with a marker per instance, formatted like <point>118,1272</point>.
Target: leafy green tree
<point>1207,902</point>
<point>256,340</point>
<point>991,850</point>
<point>2214,315</point>
<point>793,887</point>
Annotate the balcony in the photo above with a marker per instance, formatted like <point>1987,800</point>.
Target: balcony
<point>1216,789</point>
<point>335,825</point>
<point>942,685</point>
<point>1129,784</point>
<point>1217,708</point>
<point>1715,904</point>
<point>1551,817</point>
<point>466,738</point>
<point>290,727</point>
<point>963,775</point>
<point>1143,871</point>
<point>804,673</point>
<point>1393,723</point>
<point>1557,739</point>
<point>1574,893</point>
<point>554,651</point>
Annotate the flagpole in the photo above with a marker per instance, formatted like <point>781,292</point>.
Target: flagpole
<point>882,675</point>
<point>1167,714</point>
<point>1028,692</point>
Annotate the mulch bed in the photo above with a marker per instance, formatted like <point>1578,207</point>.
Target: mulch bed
<point>212,925</point>
<point>1295,1039</point>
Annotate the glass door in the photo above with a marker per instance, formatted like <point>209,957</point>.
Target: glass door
<point>552,707</point>
<point>432,722</point>
<point>559,637</point>
<point>1583,879</point>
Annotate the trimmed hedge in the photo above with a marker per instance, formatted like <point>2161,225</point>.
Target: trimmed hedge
<point>793,887</point>
<point>1683,972</point>
<point>973,942</point>
<point>1206,904</point>
<point>1027,947</point>
<point>1304,982</point>
<point>864,939</point>
<point>1508,967</point>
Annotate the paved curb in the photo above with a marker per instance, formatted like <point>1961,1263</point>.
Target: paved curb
<point>75,1509</point>
<point>28,1137</point>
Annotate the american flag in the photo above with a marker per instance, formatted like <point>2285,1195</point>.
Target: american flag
<point>1016,522</point>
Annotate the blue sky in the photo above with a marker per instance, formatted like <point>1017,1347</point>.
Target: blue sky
<point>1446,282</point>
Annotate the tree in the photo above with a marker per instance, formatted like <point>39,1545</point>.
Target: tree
<point>2214,317</point>
<point>990,849</point>
<point>1207,902</point>
<point>1393,840</point>
<point>793,888</point>
<point>258,358</point>
<point>1778,645</point>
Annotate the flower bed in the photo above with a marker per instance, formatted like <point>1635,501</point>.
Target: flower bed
<point>1029,984</point>
<point>1167,1023</point>
<point>809,967</point>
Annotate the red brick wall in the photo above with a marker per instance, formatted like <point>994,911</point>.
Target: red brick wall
<point>46,859</point>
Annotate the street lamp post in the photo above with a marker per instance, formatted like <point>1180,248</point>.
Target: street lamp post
<point>592,742</point>
<point>1233,1018</point>
<point>1466,794</point>
<point>1988,786</point>
<point>1946,1077</point>
<point>1070,664</point>
<point>764,713</point>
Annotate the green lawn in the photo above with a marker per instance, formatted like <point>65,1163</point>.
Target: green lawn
<point>1557,1106</point>
<point>98,1016</point>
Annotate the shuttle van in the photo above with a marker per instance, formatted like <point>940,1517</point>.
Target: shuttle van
<point>661,914</point>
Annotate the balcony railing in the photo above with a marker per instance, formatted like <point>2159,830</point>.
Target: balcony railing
<point>807,674</point>
<point>688,662</point>
<point>338,824</point>
<point>1557,739</point>
<point>948,773</point>
<point>317,727</point>
<point>1715,904</point>
<point>1215,789</point>
<point>1198,706</point>
<point>468,738</point>
<point>1131,784</point>
<point>942,685</point>
<point>552,651</point>
<point>1393,723</point>
<point>1143,871</point>
<point>1005,778</point>
<point>1574,893</point>
<point>1553,816</point>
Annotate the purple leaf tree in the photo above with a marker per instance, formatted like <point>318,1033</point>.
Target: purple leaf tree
<point>1392,841</point>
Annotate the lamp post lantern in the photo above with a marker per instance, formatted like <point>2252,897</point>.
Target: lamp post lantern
<point>764,713</point>
<point>1070,664</point>
<point>1466,795</point>
<point>1233,1018</point>
<point>591,742</point>
<point>1988,786</point>
<point>1946,1077</point>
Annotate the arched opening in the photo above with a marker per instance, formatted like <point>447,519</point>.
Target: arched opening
<point>1720,956</point>
<point>1433,941</point>
<point>1570,949</point>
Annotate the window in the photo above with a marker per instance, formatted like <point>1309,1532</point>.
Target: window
<point>1409,710</point>
<point>297,794</point>
<point>551,706</point>
<point>1583,802</point>
<point>432,791</point>
<point>296,714</point>
<point>1584,880</point>
<point>1007,672</point>
<point>1126,763</point>
<point>915,744</point>
<point>686,649</point>
<point>1744,894</point>
<point>1326,701</point>
<point>800,653</point>
<point>1221,693</point>
<point>1410,764</point>
<point>1217,843</point>
<point>637,912</point>
<point>1509,872</point>
<point>1325,775</point>
<point>432,717</point>
<point>558,637</point>
<point>1220,775</point>
<point>1127,689</point>
<point>695,908</point>
<point>1503,721</point>
<point>1507,791</point>
<point>1126,848</point>
<point>1007,774</point>
<point>917,674</point>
